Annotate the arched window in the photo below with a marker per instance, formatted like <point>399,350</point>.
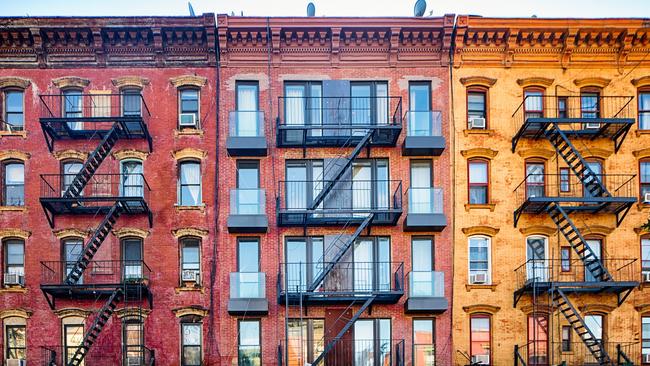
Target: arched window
<point>132,258</point>
<point>644,108</point>
<point>537,256</point>
<point>69,170</point>
<point>190,260</point>
<point>72,247</point>
<point>480,267</point>
<point>13,183</point>
<point>480,340</point>
<point>533,102</point>
<point>13,110</point>
<point>15,336</point>
<point>131,178</point>
<point>479,181</point>
<point>188,108</point>
<point>535,178</point>
<point>590,106</point>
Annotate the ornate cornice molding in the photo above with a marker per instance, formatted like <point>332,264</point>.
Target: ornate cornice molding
<point>643,308</point>
<point>480,230</point>
<point>132,313</point>
<point>189,153</point>
<point>130,154</point>
<point>640,154</point>
<point>70,233</point>
<point>479,152</point>
<point>14,154</point>
<point>130,81</point>
<point>536,153</point>
<point>642,81</point>
<point>529,309</point>
<point>71,82</point>
<point>592,81</point>
<point>478,80</point>
<point>189,231</point>
<point>130,232</point>
<point>70,154</point>
<point>14,233</point>
<point>14,82</point>
<point>596,308</point>
<point>481,308</point>
<point>188,80</point>
<point>535,81</point>
<point>596,230</point>
<point>594,152</point>
<point>72,312</point>
<point>195,310</point>
<point>16,312</point>
<point>538,230</point>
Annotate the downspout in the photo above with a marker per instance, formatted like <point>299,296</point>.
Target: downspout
<point>452,133</point>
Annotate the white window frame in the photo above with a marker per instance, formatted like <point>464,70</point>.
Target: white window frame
<point>489,257</point>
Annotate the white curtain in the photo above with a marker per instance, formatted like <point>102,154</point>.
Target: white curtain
<point>132,180</point>
<point>191,184</point>
<point>295,105</point>
<point>421,193</point>
<point>247,111</point>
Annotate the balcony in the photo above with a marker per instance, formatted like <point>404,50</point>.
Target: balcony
<point>100,356</point>
<point>347,281</point>
<point>91,116</point>
<point>347,351</point>
<point>543,352</point>
<point>423,134</point>
<point>426,292</point>
<point>537,191</point>
<point>246,134</point>
<point>99,278</point>
<point>578,116</point>
<point>248,294</point>
<point>425,210</point>
<point>338,121</point>
<point>349,201</point>
<point>247,211</point>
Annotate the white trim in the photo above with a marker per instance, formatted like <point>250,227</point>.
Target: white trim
<point>489,257</point>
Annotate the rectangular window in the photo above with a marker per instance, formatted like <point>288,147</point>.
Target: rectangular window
<point>16,343</point>
<point>566,338</point>
<point>480,339</point>
<point>372,342</point>
<point>424,351</point>
<point>303,105</point>
<point>644,110</point>
<point>188,108</point>
<point>132,345</point>
<point>565,180</point>
<point>250,353</point>
<point>304,261</point>
<point>247,122</point>
<point>595,324</point>
<point>645,339</point>
<point>73,335</point>
<point>249,198</point>
<point>73,108</point>
<point>14,270</point>
<point>422,283</point>
<point>645,257</point>
<point>565,258</point>
<point>562,107</point>
<point>191,344</point>
<point>14,114</point>
<point>537,340</point>
<point>535,180</point>
<point>421,197</point>
<point>368,103</point>
<point>476,110</point>
<point>533,104</point>
<point>132,256</point>
<point>248,268</point>
<point>590,107</point>
<point>190,260</point>
<point>420,119</point>
<point>479,260</point>
<point>478,182</point>
<point>304,182</point>
<point>13,192</point>
<point>131,103</point>
<point>305,340</point>
<point>189,184</point>
<point>644,177</point>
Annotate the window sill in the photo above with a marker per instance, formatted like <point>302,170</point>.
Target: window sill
<point>189,132</point>
<point>642,132</point>
<point>469,287</point>
<point>200,208</point>
<point>13,290</point>
<point>474,206</point>
<point>641,206</point>
<point>188,288</point>
<point>13,208</point>
<point>22,134</point>
<point>487,132</point>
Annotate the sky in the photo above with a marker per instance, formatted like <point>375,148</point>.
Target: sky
<point>500,8</point>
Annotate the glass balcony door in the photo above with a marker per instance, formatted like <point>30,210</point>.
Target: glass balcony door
<point>421,198</point>
<point>73,108</point>
<point>596,247</point>
<point>304,183</point>
<point>372,342</point>
<point>534,180</point>
<point>371,259</point>
<point>420,118</point>
<point>537,259</point>
<point>303,107</point>
<point>304,262</point>
<point>422,274</point>
<point>248,266</point>
<point>72,250</point>
<point>248,188</point>
<point>247,109</point>
<point>369,104</point>
<point>132,182</point>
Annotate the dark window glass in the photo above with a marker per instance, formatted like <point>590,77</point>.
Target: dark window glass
<point>566,338</point>
<point>131,103</point>
<point>478,182</point>
<point>14,114</point>
<point>562,107</point>
<point>475,106</point>
<point>14,184</point>
<point>565,180</point>
<point>565,253</point>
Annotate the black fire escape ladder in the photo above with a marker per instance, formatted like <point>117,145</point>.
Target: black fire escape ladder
<point>95,329</point>
<point>342,332</point>
<point>595,346</point>
<point>347,243</point>
<point>578,242</point>
<point>93,244</point>
<point>93,162</point>
<point>340,170</point>
<point>574,160</point>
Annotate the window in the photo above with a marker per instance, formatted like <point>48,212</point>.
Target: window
<point>69,169</point>
<point>248,267</point>
<point>305,340</point>
<point>368,103</point>
<point>14,263</point>
<point>191,344</point>
<point>594,323</point>
<point>644,176</point>
<point>14,114</point>
<point>131,102</point>
<point>132,180</point>
<point>132,256</point>
<point>188,108</point>
<point>304,261</point>
<point>533,103</point>
<point>480,338</point>
<point>535,179</point>
<point>73,335</point>
<point>562,111</point>
<point>644,110</point>
<point>13,192</point>
<point>645,257</point>
<point>565,259</point>
<point>596,247</point>
<point>476,109</point>
<point>420,119</point>
<point>479,260</point>
<point>537,258</point>
<point>478,182</point>
<point>73,108</point>
<point>72,249</point>
<point>590,107</point>
<point>421,278</point>
<point>249,196</point>
<point>565,180</point>
<point>189,184</point>
<point>424,351</point>
<point>566,338</point>
<point>303,105</point>
<point>371,343</point>
<point>247,123</point>
<point>133,341</point>
<point>645,338</point>
<point>190,260</point>
<point>537,340</point>
<point>304,182</point>
<point>249,343</point>
<point>421,197</point>
<point>15,339</point>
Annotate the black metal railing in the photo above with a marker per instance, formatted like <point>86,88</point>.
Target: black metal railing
<point>98,272</point>
<point>99,186</point>
<point>101,108</point>
<point>377,352</point>
<point>99,356</point>
<point>574,270</point>
<point>543,352</point>
<point>344,277</point>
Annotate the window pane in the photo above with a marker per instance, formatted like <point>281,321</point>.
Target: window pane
<point>645,254</point>
<point>190,173</point>
<point>249,333</point>
<point>644,111</point>
<point>190,254</point>
<point>480,337</point>
<point>422,256</point>
<point>189,101</point>
<point>476,102</point>
<point>15,253</point>
<point>14,108</point>
<point>478,172</point>
<point>248,256</point>
<point>191,334</point>
<point>595,324</point>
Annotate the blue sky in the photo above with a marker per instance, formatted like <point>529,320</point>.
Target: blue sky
<point>506,8</point>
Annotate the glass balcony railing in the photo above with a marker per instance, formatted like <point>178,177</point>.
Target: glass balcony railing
<point>246,123</point>
<point>424,123</point>
<point>426,284</point>
<point>425,200</point>
<point>247,285</point>
<point>247,201</point>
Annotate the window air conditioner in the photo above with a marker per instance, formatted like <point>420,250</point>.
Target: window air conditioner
<point>187,119</point>
<point>133,361</point>
<point>190,275</point>
<point>481,359</point>
<point>13,362</point>
<point>646,198</point>
<point>646,358</point>
<point>477,123</point>
<point>646,276</point>
<point>592,126</point>
<point>14,279</point>
<point>478,278</point>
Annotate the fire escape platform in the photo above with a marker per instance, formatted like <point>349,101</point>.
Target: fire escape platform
<point>538,287</point>
<point>93,205</point>
<point>60,128</point>
<point>537,205</point>
<point>303,136</point>
<point>608,127</point>
<point>337,217</point>
<point>336,297</point>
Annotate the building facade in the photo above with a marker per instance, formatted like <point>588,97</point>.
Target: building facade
<point>550,128</point>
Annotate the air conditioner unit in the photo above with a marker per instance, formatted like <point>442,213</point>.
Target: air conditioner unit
<point>477,123</point>
<point>134,361</point>
<point>478,278</point>
<point>592,126</point>
<point>14,279</point>
<point>190,275</point>
<point>646,276</point>
<point>187,119</point>
<point>481,359</point>
<point>646,358</point>
<point>646,198</point>
<point>13,362</point>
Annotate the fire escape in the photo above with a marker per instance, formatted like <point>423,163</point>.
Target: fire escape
<point>336,198</point>
<point>579,187</point>
<point>107,118</point>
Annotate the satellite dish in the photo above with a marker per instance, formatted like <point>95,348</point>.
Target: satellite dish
<point>311,10</point>
<point>419,8</point>
<point>189,4</point>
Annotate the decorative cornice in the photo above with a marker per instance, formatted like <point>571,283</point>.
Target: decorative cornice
<point>640,154</point>
<point>481,308</point>
<point>130,313</point>
<point>188,80</point>
<point>189,153</point>
<point>71,232</point>
<point>594,152</point>
<point>70,82</point>
<point>479,152</point>
<point>70,312</point>
<point>189,231</point>
<point>195,310</point>
<point>538,230</point>
<point>592,81</point>
<point>536,153</point>
<point>478,80</point>
<point>643,308</point>
<point>130,81</point>
<point>130,154</point>
<point>480,230</point>
<point>535,81</point>
<point>596,230</point>
<point>130,231</point>
<point>70,154</point>
<point>538,308</point>
<point>14,233</point>
<point>596,308</point>
<point>14,82</point>
<point>16,312</point>
<point>642,81</point>
<point>14,154</point>
<point>641,231</point>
